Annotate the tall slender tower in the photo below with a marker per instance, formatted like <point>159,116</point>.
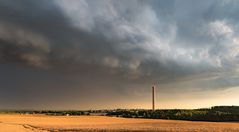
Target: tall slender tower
<point>153,98</point>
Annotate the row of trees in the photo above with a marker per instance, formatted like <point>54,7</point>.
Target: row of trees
<point>217,113</point>
<point>50,112</point>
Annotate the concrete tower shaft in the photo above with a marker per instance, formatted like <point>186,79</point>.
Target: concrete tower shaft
<point>153,98</point>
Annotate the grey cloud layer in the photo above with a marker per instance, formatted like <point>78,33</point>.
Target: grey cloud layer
<point>138,40</point>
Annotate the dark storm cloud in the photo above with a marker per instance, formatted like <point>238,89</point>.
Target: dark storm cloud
<point>132,43</point>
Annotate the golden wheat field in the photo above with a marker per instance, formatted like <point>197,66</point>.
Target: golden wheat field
<point>44,123</point>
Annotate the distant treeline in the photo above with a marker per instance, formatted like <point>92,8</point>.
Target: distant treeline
<point>48,112</point>
<point>217,113</point>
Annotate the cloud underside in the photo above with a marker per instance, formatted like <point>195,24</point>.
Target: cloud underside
<point>179,43</point>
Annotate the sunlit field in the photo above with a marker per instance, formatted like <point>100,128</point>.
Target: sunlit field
<point>41,123</point>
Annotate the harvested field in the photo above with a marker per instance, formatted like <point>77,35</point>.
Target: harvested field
<point>44,123</point>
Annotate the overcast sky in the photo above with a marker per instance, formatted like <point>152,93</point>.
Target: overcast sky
<point>94,54</point>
